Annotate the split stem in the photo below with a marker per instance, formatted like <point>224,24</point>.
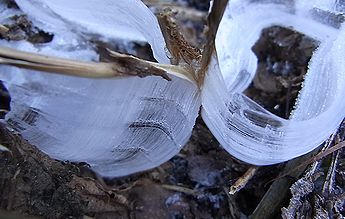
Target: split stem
<point>90,69</point>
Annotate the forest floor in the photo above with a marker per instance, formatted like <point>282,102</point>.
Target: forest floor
<point>203,180</point>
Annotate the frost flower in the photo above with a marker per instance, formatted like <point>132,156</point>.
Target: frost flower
<point>126,125</point>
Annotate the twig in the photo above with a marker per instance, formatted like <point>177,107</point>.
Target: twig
<point>124,65</point>
<point>243,180</point>
<point>330,177</point>
<point>313,160</point>
<point>185,190</point>
<point>275,196</point>
<point>317,157</point>
<point>316,164</point>
<point>3,29</point>
<point>181,52</point>
<point>3,148</point>
<point>170,69</point>
<point>233,207</point>
<point>213,21</point>
<point>273,200</point>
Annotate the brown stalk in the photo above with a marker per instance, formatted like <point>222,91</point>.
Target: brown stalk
<point>181,52</point>
<point>3,29</point>
<point>213,21</point>
<point>243,180</point>
<point>124,65</point>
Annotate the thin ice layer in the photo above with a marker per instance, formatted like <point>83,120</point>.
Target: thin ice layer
<point>120,19</point>
<point>117,126</point>
<point>245,129</point>
<point>6,13</point>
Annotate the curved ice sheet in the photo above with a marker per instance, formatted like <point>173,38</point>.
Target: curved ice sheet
<point>244,128</point>
<point>130,20</point>
<point>117,126</point>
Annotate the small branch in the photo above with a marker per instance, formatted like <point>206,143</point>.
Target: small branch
<point>330,178</point>
<point>124,65</point>
<point>316,158</point>
<point>243,180</point>
<point>275,196</point>
<point>3,111</point>
<point>3,29</point>
<point>314,167</point>
<point>180,189</point>
<point>313,160</point>
<point>213,21</point>
<point>182,53</point>
<point>3,148</point>
<point>130,61</point>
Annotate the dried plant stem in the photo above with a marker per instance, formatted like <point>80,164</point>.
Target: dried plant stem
<point>174,70</point>
<point>314,167</point>
<point>3,29</point>
<point>179,189</point>
<point>3,148</point>
<point>330,177</point>
<point>274,197</point>
<point>213,21</point>
<point>243,180</point>
<point>317,157</point>
<point>124,65</point>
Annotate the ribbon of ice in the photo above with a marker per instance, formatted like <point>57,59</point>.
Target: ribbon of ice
<point>118,126</point>
<point>245,129</point>
<point>124,126</point>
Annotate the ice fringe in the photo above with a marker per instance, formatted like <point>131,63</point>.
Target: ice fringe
<point>118,126</point>
<point>244,128</point>
<point>124,126</point>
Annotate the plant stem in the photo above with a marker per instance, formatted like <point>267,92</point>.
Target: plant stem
<point>125,65</point>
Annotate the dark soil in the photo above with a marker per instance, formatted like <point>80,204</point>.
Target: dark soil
<point>283,57</point>
<point>5,101</point>
<point>194,184</point>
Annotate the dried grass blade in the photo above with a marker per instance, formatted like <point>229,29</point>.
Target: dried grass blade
<point>125,66</point>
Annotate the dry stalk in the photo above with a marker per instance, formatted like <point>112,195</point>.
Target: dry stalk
<point>180,189</point>
<point>3,111</point>
<point>213,22</point>
<point>315,158</point>
<point>243,180</point>
<point>329,183</point>
<point>181,52</point>
<point>3,148</point>
<point>124,65</point>
<point>275,196</point>
<point>3,29</point>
